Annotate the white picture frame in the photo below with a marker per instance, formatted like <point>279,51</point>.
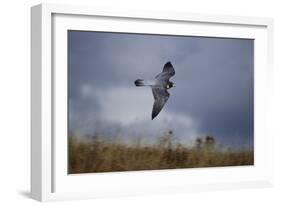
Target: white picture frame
<point>49,179</point>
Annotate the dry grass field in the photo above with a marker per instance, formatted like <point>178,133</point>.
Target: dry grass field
<point>89,156</point>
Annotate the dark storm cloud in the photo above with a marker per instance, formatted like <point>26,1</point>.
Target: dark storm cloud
<point>219,87</point>
<point>214,83</point>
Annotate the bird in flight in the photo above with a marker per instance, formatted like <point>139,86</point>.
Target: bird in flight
<point>159,87</point>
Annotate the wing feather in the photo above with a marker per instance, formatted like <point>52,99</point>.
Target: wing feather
<point>167,73</point>
<point>161,96</point>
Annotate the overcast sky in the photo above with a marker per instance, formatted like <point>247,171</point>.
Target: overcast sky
<point>213,93</point>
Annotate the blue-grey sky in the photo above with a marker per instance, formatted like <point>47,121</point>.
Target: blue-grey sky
<point>213,93</point>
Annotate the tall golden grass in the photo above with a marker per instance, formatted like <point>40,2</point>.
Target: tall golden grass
<point>107,156</point>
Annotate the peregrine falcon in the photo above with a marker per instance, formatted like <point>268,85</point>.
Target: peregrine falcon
<point>159,86</point>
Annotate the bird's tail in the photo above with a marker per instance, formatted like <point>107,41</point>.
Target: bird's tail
<point>140,82</point>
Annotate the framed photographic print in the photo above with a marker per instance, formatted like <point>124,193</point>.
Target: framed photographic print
<point>135,102</point>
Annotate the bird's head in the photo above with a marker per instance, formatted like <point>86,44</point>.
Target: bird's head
<point>170,85</point>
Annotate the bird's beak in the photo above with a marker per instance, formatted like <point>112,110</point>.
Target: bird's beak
<point>174,85</point>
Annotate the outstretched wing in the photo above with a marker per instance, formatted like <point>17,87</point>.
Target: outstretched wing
<point>161,96</point>
<point>167,73</point>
